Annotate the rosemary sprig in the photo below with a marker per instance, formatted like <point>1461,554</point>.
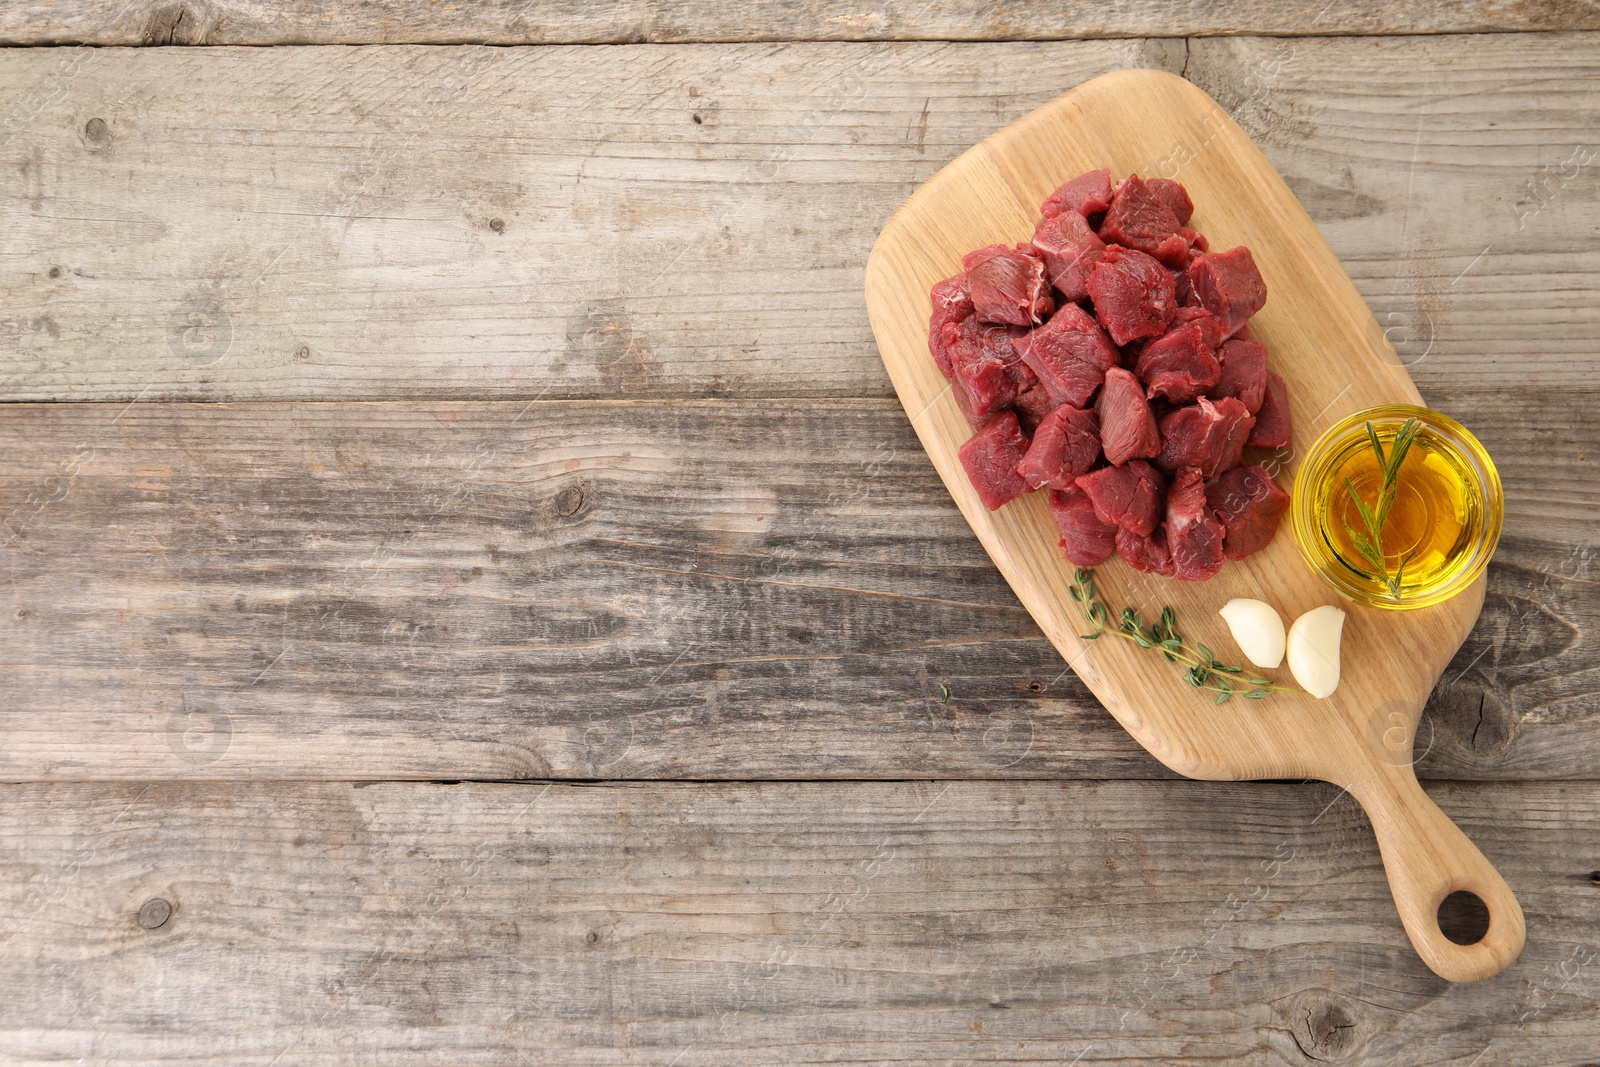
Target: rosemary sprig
<point>1204,670</point>
<point>1369,542</point>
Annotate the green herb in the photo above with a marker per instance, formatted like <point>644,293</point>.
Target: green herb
<point>944,693</point>
<point>1369,542</point>
<point>1203,669</point>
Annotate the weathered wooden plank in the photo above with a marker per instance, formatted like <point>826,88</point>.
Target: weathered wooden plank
<point>693,220</point>
<point>580,589</point>
<point>953,923</point>
<point>510,22</point>
<point>478,221</point>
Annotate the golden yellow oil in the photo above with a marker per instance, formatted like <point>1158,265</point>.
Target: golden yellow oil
<point>1438,513</point>
<point>1444,522</point>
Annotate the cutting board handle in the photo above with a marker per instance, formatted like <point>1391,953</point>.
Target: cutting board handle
<point>1427,857</point>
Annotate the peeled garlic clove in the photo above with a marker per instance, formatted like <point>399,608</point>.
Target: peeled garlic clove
<point>1314,649</point>
<point>1257,629</point>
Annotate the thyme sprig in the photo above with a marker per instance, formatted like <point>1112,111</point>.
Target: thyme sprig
<point>1369,541</point>
<point>1203,669</point>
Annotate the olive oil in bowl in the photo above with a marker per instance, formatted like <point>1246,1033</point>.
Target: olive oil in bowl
<point>1439,533</point>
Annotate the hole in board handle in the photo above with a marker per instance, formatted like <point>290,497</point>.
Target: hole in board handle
<point>1464,917</point>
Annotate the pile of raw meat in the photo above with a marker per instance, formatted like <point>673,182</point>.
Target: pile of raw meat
<point>1108,359</point>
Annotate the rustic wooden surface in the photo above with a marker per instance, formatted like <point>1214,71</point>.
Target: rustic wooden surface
<point>514,22</point>
<point>776,923</point>
<point>437,590</point>
<point>698,277</point>
<point>331,219</point>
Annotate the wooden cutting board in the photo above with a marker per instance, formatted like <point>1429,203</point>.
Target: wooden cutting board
<point>1323,340</point>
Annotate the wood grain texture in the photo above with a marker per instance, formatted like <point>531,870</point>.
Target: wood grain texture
<point>1332,353</point>
<point>951,923</point>
<point>573,589</point>
<point>513,22</point>
<point>321,225</point>
<point>473,221</point>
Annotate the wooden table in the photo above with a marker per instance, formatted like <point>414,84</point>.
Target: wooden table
<point>469,596</point>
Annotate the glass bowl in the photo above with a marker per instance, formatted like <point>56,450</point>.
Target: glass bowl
<point>1448,508</point>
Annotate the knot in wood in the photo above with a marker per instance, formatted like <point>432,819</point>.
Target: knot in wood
<point>154,913</point>
<point>1323,1024</point>
<point>97,133</point>
<point>571,500</point>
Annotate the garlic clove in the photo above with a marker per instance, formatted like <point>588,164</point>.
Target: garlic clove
<point>1314,650</point>
<point>1257,629</point>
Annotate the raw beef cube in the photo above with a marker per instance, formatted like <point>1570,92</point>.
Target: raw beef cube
<point>1087,194</point>
<point>1175,196</point>
<point>1070,354</point>
<point>1140,218</point>
<point>1033,404</point>
<point>1133,295</point>
<point>1194,536</point>
<point>1065,445</point>
<point>1131,496</point>
<point>1210,328</point>
<point>1228,285</point>
<point>1249,504</point>
<point>1148,554</point>
<point>1085,540</point>
<point>1127,425</point>
<point>1272,429</point>
<point>1008,285</point>
<point>986,370</point>
<point>1179,365</point>
<point>952,303</point>
<point>981,389</point>
<point>991,457</point>
<point>1205,435</point>
<point>979,356</point>
<point>1244,375</point>
<point>1070,250</point>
